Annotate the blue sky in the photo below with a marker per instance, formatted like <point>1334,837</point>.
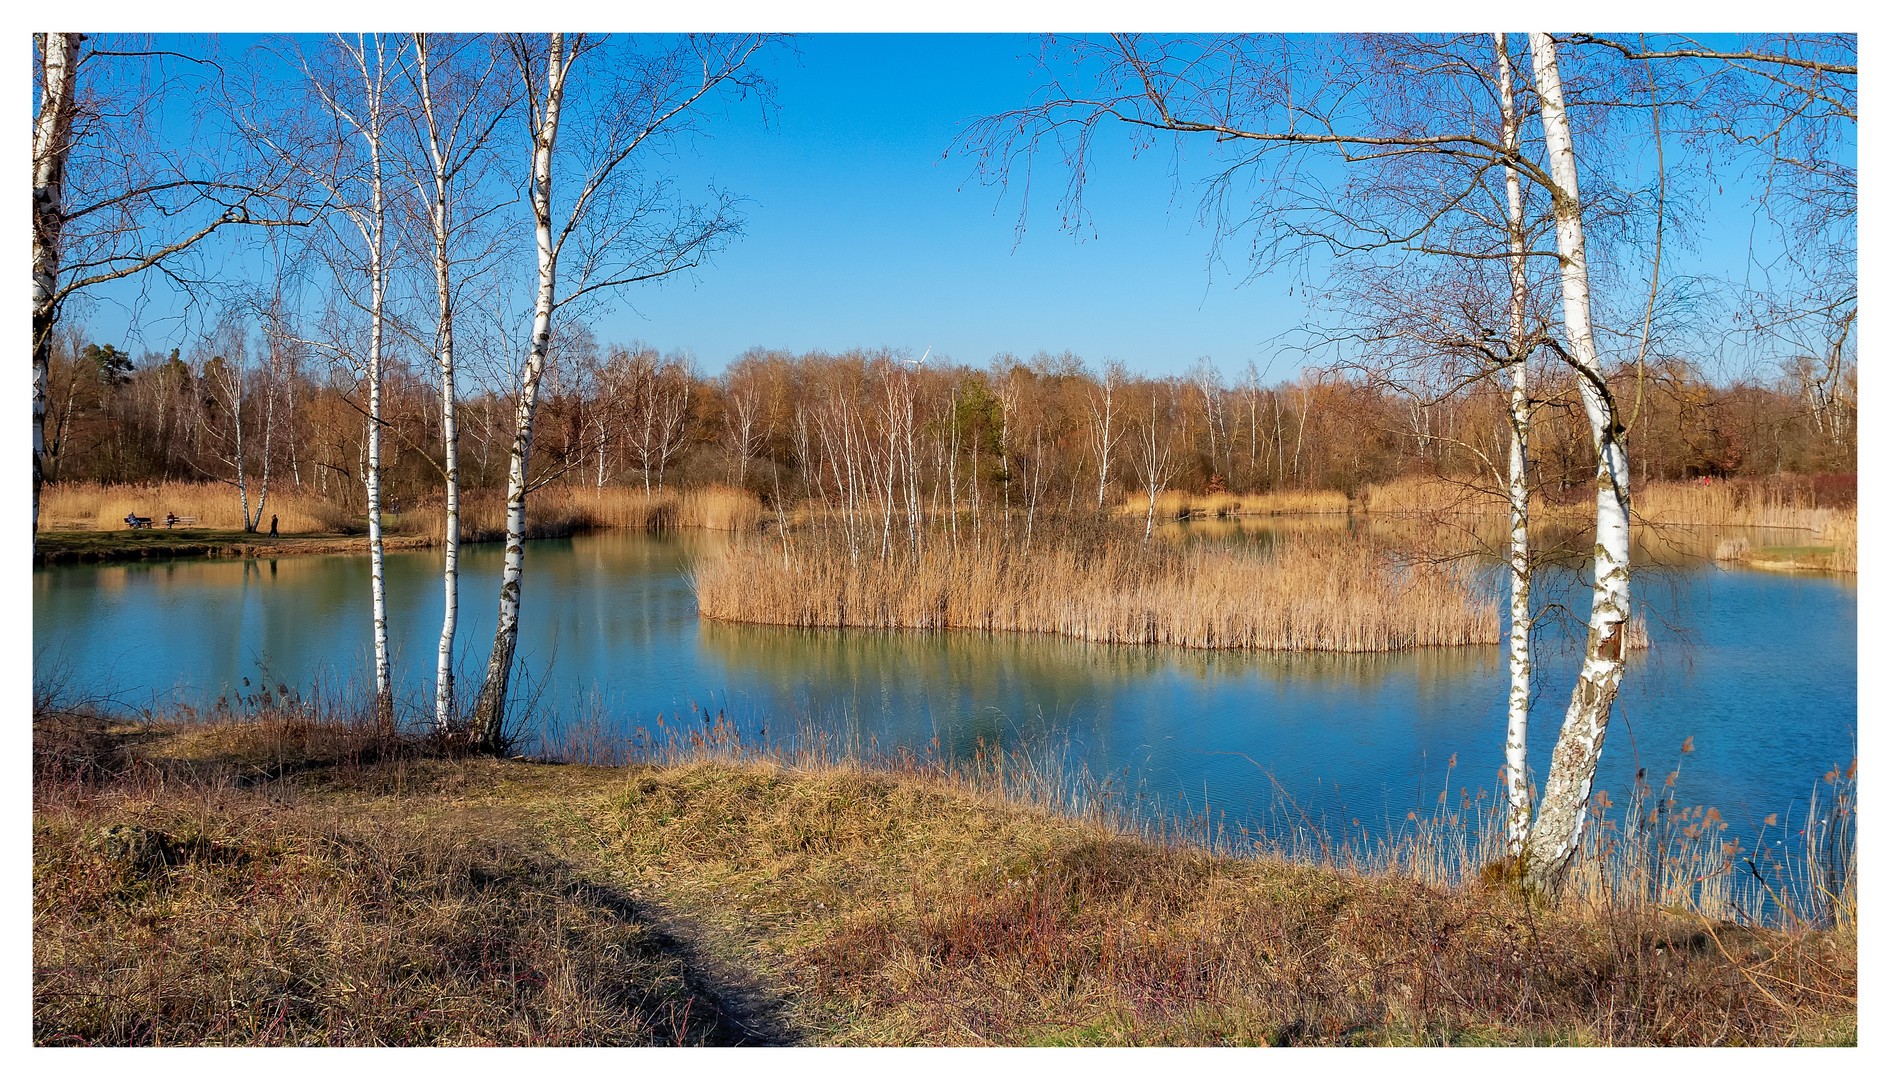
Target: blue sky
<point>861,232</point>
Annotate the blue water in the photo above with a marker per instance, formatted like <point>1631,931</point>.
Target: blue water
<point>1759,669</point>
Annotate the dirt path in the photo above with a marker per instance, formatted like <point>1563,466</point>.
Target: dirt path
<point>561,813</point>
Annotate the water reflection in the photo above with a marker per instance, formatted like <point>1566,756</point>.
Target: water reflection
<point>610,618</point>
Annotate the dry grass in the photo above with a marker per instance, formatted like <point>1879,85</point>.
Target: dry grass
<point>103,507</point>
<point>1840,534</point>
<point>1834,551</point>
<point>278,881</point>
<point>551,511</point>
<point>1753,504</point>
<point>914,911</point>
<point>1432,495</point>
<point>1823,506</point>
<point>717,507</point>
<point>562,510</point>
<point>1097,581</point>
<point>1170,505</point>
<point>182,896</point>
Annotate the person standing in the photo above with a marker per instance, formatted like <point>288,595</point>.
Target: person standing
<point>272,524</point>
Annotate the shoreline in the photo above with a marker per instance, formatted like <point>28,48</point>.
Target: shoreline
<point>76,547</point>
<point>145,545</point>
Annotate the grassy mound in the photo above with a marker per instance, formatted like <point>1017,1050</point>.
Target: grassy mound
<point>281,882</point>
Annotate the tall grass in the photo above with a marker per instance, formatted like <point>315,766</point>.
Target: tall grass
<point>261,881</point>
<point>562,510</point>
<point>1432,495</point>
<point>1650,852</point>
<point>1840,534</point>
<point>715,507</point>
<point>1096,580</point>
<point>102,507</point>
<point>1750,503</point>
<point>555,510</point>
<point>1170,505</point>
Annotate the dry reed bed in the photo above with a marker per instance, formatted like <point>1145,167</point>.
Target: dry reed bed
<point>1830,519</point>
<point>103,507</point>
<point>1840,534</point>
<point>1340,594</point>
<point>560,510</point>
<point>1753,504</point>
<point>1728,503</point>
<point>1170,505</point>
<point>552,511</point>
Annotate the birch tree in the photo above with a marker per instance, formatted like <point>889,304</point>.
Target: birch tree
<point>1556,833</point>
<point>1231,90</point>
<point>342,152</point>
<point>453,122</point>
<point>619,227</point>
<point>113,198</point>
<point>227,373</point>
<point>369,120</point>
<point>1516,734</point>
<point>1153,445</point>
<point>1103,431</point>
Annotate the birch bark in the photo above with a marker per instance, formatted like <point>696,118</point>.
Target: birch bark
<point>488,717</point>
<point>52,141</point>
<point>1556,834</point>
<point>444,162</point>
<point>1102,436</point>
<point>373,83</point>
<point>1516,740</point>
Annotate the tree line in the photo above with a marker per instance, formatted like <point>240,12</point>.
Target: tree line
<point>630,415</point>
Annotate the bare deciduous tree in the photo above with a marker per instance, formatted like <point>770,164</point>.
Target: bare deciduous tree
<point>457,110</point>
<point>112,196</point>
<point>620,227</point>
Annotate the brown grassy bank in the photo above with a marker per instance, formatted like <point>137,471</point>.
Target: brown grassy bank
<point>1170,505</point>
<point>85,522</point>
<point>103,507</point>
<point>282,883</point>
<point>126,545</point>
<point>1096,580</point>
<point>277,881</point>
<point>561,510</point>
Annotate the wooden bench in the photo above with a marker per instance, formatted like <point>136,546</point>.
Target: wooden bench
<point>137,522</point>
<point>171,521</point>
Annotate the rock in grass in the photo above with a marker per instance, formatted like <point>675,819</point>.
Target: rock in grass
<point>145,849</point>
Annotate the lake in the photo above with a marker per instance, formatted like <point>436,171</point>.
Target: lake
<point>1759,669</point>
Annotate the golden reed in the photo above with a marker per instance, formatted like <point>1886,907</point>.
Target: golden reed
<point>1101,584</point>
<point>92,506</point>
<point>1170,505</point>
<point>559,510</point>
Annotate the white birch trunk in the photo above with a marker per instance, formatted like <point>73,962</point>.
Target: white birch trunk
<point>1103,438</point>
<point>489,717</point>
<point>1556,834</point>
<point>372,83</point>
<point>1516,740</point>
<point>269,426</point>
<point>233,379</point>
<point>449,432</point>
<point>449,394</point>
<point>52,140</point>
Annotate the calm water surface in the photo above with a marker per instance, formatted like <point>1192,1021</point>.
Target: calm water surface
<point>1760,669</point>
